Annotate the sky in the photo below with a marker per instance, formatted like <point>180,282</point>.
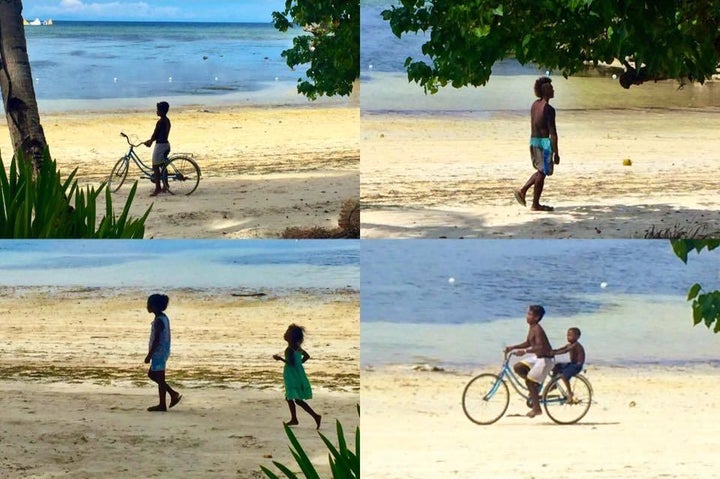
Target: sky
<point>153,10</point>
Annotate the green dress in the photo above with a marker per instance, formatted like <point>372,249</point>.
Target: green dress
<point>297,385</point>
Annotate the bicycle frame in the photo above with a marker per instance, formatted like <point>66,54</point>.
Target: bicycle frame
<point>507,372</point>
<point>144,169</point>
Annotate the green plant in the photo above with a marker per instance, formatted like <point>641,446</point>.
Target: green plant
<point>344,462</point>
<point>705,305</point>
<point>43,205</point>
<point>465,38</point>
<point>332,48</point>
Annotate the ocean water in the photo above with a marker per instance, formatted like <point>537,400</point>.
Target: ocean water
<point>86,61</point>
<point>412,313</point>
<point>202,264</point>
<point>510,88</point>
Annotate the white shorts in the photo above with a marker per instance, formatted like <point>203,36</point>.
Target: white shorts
<point>539,368</point>
<point>160,153</point>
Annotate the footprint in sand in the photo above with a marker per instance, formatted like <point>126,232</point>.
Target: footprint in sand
<point>247,441</point>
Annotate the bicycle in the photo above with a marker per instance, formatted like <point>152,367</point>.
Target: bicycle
<point>180,174</point>
<point>487,396</point>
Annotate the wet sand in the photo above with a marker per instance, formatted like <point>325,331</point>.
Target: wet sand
<point>75,392</point>
<point>451,174</point>
<point>263,168</point>
<point>651,421</point>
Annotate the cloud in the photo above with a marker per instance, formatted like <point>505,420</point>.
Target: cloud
<point>111,9</point>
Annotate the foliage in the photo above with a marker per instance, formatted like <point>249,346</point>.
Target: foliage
<point>42,205</point>
<point>344,462</point>
<point>705,306</point>
<point>654,40</point>
<point>332,47</point>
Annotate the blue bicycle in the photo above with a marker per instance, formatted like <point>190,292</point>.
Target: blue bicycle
<point>487,396</point>
<point>179,175</point>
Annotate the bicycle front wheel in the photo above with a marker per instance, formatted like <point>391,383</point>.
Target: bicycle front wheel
<point>181,175</point>
<point>118,174</point>
<point>558,405</point>
<point>485,399</point>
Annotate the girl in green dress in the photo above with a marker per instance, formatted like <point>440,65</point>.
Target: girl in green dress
<point>297,386</point>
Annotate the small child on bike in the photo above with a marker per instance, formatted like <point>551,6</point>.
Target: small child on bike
<point>162,146</point>
<point>567,370</point>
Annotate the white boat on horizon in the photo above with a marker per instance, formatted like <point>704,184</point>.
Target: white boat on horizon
<point>37,22</point>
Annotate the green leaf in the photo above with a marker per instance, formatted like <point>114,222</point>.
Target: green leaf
<point>694,290</point>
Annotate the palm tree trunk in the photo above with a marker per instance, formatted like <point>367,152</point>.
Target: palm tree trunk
<point>18,93</point>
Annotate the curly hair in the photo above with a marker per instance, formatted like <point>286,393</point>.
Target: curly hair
<point>295,334</point>
<point>163,107</point>
<point>158,301</point>
<point>539,85</point>
<point>537,310</point>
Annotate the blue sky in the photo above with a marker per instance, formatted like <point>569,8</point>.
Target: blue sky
<point>154,10</point>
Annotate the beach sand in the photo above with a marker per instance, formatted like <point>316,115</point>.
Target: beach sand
<point>74,388</point>
<point>452,175</point>
<point>263,169</point>
<point>646,422</point>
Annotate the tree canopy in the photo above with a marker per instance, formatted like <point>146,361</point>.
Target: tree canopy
<point>659,39</point>
<point>331,47</point>
<point>706,305</point>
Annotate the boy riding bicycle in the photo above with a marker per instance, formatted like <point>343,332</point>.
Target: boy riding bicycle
<point>534,370</point>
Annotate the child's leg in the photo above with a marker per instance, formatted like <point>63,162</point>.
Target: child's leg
<point>293,414</point>
<point>534,390</point>
<point>159,378</point>
<point>310,411</point>
<point>156,180</point>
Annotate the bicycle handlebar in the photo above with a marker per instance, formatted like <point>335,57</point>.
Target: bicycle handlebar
<point>128,140</point>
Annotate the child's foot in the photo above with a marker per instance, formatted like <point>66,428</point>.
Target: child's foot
<point>542,208</point>
<point>157,408</point>
<point>534,412</point>
<point>570,399</point>
<point>318,418</point>
<point>519,197</point>
<point>292,422</point>
<point>175,400</point>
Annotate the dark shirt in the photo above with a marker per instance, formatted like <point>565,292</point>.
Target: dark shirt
<point>162,130</point>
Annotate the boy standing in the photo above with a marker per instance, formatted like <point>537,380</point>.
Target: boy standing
<point>534,370</point>
<point>162,145</point>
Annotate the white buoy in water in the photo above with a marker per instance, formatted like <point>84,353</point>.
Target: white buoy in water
<point>169,79</point>
<point>451,280</point>
<point>603,285</point>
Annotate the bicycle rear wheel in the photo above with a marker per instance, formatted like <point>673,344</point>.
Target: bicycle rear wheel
<point>118,174</point>
<point>485,399</point>
<point>556,399</point>
<point>182,175</point>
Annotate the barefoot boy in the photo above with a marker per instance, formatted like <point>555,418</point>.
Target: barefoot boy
<point>534,370</point>
<point>577,359</point>
<point>543,144</point>
<point>162,145</point>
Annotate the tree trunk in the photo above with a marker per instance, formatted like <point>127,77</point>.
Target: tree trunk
<point>16,83</point>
